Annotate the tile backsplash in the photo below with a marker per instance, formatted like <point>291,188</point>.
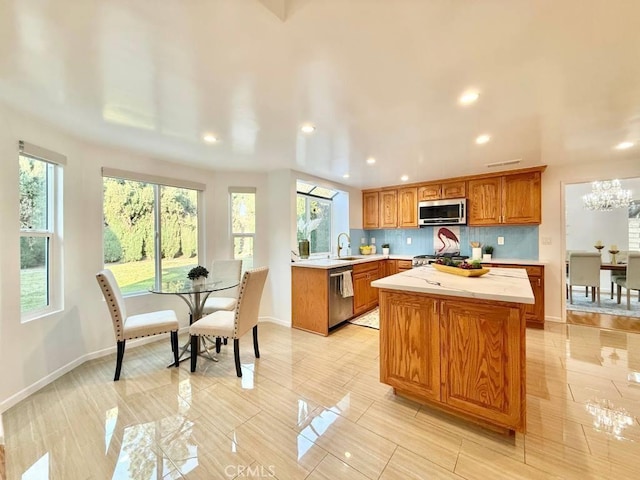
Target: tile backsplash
<point>519,242</point>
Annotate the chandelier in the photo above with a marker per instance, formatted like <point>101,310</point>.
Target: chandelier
<point>607,195</point>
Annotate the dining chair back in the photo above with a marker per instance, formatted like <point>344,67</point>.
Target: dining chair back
<point>234,324</point>
<point>632,279</point>
<point>584,270</point>
<point>135,326</point>
<point>223,299</point>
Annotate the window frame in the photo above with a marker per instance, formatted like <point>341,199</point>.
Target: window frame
<point>54,163</point>
<point>232,234</point>
<point>157,182</point>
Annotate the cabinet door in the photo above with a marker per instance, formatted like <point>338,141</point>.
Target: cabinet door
<point>454,190</point>
<point>482,359</point>
<point>431,191</point>
<point>521,199</point>
<point>484,206</point>
<point>388,209</point>
<point>361,286</point>
<point>370,210</point>
<point>410,343</point>
<point>535,313</point>
<point>408,207</point>
<point>392,267</point>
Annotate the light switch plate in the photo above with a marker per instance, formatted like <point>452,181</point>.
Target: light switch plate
<point>408,240</point>
<point>362,240</point>
<point>373,240</point>
<point>546,240</point>
<point>500,240</point>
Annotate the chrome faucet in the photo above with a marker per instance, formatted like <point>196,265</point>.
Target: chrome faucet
<point>348,242</point>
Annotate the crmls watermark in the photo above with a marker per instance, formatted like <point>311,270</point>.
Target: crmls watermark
<point>256,471</point>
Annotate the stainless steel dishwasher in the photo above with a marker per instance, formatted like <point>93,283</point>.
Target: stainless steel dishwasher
<point>340,308</point>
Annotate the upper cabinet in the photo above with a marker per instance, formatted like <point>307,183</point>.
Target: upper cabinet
<point>509,199</point>
<point>408,207</point>
<point>389,209</point>
<point>370,210</point>
<point>438,191</point>
<point>502,198</point>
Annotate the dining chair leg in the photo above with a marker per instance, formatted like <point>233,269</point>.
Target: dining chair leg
<point>218,342</point>
<point>586,291</point>
<point>611,290</point>
<point>194,352</point>
<point>236,354</point>
<point>571,294</point>
<point>119,357</point>
<point>175,348</point>
<point>225,340</point>
<point>598,289</point>
<point>619,293</point>
<point>628,299</point>
<point>256,350</point>
<point>593,294</point>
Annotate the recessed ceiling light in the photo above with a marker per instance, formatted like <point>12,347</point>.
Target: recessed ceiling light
<point>371,160</point>
<point>469,97</point>
<point>624,145</point>
<point>404,178</point>
<point>484,138</point>
<point>308,128</point>
<point>346,175</point>
<point>210,138</point>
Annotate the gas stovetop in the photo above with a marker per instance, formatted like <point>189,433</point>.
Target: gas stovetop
<point>420,260</point>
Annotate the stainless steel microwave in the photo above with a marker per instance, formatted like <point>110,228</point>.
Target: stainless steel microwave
<point>442,212</point>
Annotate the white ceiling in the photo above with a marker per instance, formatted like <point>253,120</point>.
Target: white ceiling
<point>559,80</point>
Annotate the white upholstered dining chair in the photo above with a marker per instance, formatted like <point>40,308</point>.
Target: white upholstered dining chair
<point>134,326</point>
<point>632,279</point>
<point>224,299</point>
<point>584,270</point>
<point>233,324</point>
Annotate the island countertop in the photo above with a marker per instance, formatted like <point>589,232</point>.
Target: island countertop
<point>501,284</point>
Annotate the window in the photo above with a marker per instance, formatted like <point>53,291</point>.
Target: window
<point>314,222</point>
<point>40,230</point>
<point>243,224</point>
<point>150,229</point>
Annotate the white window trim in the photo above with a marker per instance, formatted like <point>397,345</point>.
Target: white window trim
<point>54,234</point>
<point>233,190</point>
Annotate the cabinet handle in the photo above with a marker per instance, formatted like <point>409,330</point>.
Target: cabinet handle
<point>539,283</point>
<point>435,308</point>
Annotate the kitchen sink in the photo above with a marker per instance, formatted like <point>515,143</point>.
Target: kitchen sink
<point>348,258</point>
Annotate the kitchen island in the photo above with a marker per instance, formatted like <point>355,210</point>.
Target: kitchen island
<point>457,343</point>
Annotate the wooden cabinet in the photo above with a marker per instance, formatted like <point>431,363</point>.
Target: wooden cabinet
<point>370,210</point>
<point>408,207</point>
<point>509,199</point>
<point>404,265</point>
<point>410,345</point>
<point>388,209</point>
<point>463,356</point>
<point>438,191</point>
<point>533,313</point>
<point>481,360</point>
<point>365,297</point>
<point>310,299</point>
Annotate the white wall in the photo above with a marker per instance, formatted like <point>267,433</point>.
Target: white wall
<point>552,229</point>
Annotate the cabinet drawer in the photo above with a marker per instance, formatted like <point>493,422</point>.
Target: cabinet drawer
<point>404,265</point>
<point>365,267</point>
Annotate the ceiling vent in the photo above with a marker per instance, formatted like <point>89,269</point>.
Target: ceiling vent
<point>506,162</point>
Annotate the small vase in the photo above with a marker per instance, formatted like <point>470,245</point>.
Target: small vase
<point>486,257</point>
<point>198,282</point>
<point>476,253</point>
<point>385,251</point>
<point>303,246</point>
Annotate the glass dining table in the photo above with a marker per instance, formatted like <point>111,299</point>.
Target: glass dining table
<point>195,296</point>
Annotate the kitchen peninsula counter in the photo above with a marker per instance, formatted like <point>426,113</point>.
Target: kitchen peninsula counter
<point>457,343</point>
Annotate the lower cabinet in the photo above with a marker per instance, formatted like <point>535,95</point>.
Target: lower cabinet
<point>463,356</point>
<point>533,313</point>
<point>365,297</point>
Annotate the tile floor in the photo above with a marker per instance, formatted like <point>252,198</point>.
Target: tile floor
<point>313,408</point>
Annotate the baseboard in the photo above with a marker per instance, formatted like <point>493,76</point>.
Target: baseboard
<point>554,319</point>
<point>43,382</point>
<point>275,320</point>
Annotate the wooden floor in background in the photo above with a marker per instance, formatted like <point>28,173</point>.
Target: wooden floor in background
<point>609,322</point>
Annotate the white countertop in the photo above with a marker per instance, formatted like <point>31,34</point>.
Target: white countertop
<point>327,263</point>
<point>502,284</point>
<point>514,261</point>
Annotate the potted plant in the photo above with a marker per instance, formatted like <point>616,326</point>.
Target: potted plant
<point>385,249</point>
<point>488,250</point>
<point>304,234</point>
<point>198,275</point>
